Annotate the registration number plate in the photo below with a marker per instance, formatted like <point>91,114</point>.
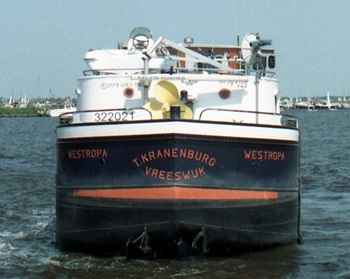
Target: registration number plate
<point>114,116</point>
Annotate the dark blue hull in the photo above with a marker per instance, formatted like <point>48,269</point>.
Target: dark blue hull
<point>217,193</point>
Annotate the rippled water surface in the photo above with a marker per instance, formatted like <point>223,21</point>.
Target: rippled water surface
<point>27,213</point>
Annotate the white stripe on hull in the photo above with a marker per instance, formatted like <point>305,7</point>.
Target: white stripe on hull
<point>180,127</point>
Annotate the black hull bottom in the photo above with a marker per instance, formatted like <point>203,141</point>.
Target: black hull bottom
<point>159,229</point>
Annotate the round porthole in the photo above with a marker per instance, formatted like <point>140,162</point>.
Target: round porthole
<point>128,92</point>
<point>224,93</point>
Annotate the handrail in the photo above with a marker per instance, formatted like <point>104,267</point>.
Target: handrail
<point>179,70</point>
<point>236,110</point>
<point>286,120</point>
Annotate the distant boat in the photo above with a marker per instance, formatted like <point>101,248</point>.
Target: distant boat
<point>329,104</point>
<point>10,102</point>
<point>311,105</point>
<point>66,108</point>
<point>301,105</point>
<point>22,103</point>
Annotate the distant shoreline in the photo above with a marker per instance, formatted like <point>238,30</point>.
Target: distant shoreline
<point>29,111</point>
<point>19,115</point>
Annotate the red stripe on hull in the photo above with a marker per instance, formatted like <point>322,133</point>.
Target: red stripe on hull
<point>176,193</point>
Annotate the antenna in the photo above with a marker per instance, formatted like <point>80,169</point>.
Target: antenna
<point>251,46</point>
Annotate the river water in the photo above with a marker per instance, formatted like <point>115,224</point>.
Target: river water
<point>27,213</point>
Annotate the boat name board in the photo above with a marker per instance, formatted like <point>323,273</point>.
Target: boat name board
<point>175,176</point>
<point>86,154</point>
<point>176,153</point>
<point>264,155</point>
<point>144,160</point>
<point>172,153</point>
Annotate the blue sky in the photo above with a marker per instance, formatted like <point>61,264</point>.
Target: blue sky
<point>42,42</point>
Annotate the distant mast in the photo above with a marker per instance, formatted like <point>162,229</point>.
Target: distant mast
<point>328,104</point>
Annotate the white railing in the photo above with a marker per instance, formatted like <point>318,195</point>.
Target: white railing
<point>248,117</point>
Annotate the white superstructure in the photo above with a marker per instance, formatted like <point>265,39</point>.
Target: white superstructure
<point>157,75</point>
